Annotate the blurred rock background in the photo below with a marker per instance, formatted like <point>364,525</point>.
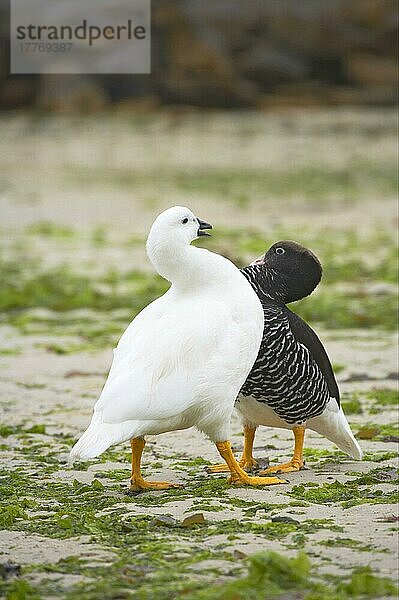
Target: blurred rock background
<point>235,54</point>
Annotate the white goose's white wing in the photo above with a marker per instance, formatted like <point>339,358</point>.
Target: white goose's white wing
<point>165,358</point>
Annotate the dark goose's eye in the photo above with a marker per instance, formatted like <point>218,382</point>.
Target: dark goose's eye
<point>185,220</point>
<point>280,251</point>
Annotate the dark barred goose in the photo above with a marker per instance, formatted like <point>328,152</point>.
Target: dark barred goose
<point>292,383</point>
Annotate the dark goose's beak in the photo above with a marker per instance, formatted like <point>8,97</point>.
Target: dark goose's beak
<point>202,227</point>
<point>259,261</point>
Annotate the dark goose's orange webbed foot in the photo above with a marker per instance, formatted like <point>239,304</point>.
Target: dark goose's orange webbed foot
<point>296,463</point>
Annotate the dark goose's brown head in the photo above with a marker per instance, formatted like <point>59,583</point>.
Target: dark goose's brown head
<point>288,271</point>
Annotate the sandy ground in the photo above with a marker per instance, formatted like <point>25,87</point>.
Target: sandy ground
<point>37,386</point>
<point>65,404</point>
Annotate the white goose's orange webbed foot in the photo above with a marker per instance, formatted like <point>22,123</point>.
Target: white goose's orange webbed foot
<point>237,475</point>
<point>297,462</point>
<point>247,461</point>
<point>137,483</point>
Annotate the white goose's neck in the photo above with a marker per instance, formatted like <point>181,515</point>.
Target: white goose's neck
<point>168,259</point>
<point>185,266</point>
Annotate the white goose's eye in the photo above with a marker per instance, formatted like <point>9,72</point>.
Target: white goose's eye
<point>185,220</point>
<point>279,251</point>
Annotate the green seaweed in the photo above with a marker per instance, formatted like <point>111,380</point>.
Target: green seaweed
<point>22,590</point>
<point>56,508</point>
<point>61,289</point>
<point>314,183</point>
<point>342,542</point>
<point>348,493</point>
<point>379,456</point>
<point>352,406</point>
<point>269,574</point>
<point>382,398</point>
<point>28,284</point>
<point>49,229</point>
<point>10,514</point>
<point>364,583</point>
<point>10,351</point>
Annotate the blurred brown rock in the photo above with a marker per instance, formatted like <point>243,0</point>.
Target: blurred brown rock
<point>195,70</point>
<point>368,69</point>
<point>369,13</point>
<point>268,65</point>
<point>17,92</point>
<point>72,94</point>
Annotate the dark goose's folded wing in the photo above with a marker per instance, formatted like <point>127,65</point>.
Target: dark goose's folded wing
<point>305,335</point>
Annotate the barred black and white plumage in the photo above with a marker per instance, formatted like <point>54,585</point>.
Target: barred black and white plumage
<point>285,375</point>
<point>292,382</point>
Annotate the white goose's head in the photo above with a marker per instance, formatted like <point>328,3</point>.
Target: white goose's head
<point>173,231</point>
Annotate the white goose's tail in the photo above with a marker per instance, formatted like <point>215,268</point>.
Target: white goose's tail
<point>99,436</point>
<point>333,425</point>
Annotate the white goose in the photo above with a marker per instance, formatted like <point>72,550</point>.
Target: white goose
<point>183,359</point>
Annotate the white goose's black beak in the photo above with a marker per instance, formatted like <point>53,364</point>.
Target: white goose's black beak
<point>202,227</point>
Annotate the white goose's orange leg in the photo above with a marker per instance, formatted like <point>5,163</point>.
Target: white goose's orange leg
<point>296,463</point>
<point>237,475</point>
<point>137,483</point>
<point>247,461</point>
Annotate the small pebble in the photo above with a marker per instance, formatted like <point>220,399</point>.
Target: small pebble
<point>195,519</point>
<point>164,521</point>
